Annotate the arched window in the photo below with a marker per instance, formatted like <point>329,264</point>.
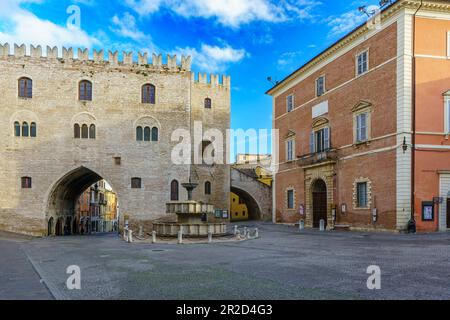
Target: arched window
<point>92,131</point>
<point>139,134</point>
<point>155,134</point>
<point>76,131</point>
<point>33,130</point>
<point>207,188</point>
<point>26,182</point>
<point>17,129</point>
<point>136,183</point>
<point>84,131</point>
<point>147,133</point>
<point>208,103</point>
<point>148,94</point>
<point>25,88</point>
<point>25,129</point>
<point>174,191</point>
<point>85,90</point>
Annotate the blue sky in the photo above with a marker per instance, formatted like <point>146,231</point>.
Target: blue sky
<point>247,39</point>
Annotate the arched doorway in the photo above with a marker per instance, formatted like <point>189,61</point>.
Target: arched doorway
<point>82,202</point>
<point>320,208</point>
<point>50,227</point>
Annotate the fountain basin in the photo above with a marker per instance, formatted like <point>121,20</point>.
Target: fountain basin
<point>190,230</point>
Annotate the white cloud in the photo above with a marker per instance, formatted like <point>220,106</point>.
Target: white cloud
<point>347,21</point>
<point>21,26</point>
<point>213,58</point>
<point>231,13</point>
<point>288,59</point>
<point>126,27</point>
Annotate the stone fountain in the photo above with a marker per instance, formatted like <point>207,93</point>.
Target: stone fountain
<point>194,218</point>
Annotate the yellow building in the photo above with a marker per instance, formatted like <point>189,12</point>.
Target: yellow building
<point>239,210</point>
<point>265,176</point>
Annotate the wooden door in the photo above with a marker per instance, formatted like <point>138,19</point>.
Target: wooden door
<point>319,208</point>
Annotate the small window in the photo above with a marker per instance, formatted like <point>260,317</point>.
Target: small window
<point>207,188</point>
<point>361,194</point>
<point>147,134</point>
<point>25,88</point>
<point>17,129</point>
<point>290,199</point>
<point>26,183</point>
<point>25,129</point>
<point>290,103</point>
<point>148,94</point>
<point>33,130</point>
<point>139,134</point>
<point>92,131</point>
<point>290,150</point>
<point>208,103</point>
<point>76,131</point>
<point>85,91</point>
<point>155,134</point>
<point>136,183</point>
<point>320,86</point>
<point>84,131</point>
<point>362,63</point>
<point>361,127</point>
<point>174,191</point>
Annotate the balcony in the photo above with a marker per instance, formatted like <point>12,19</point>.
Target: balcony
<point>317,158</point>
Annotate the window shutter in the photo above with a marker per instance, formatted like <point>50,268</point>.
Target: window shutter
<point>312,144</point>
<point>326,133</point>
<point>363,127</point>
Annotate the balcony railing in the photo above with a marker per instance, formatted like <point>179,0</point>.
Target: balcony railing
<point>318,157</point>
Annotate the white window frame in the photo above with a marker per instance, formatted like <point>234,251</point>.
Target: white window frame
<point>324,86</point>
<point>357,62</point>
<point>447,115</point>
<point>291,96</point>
<point>448,44</point>
<point>290,156</point>
<point>358,131</point>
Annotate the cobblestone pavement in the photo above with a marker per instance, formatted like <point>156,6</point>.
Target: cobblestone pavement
<point>18,279</point>
<point>283,264</point>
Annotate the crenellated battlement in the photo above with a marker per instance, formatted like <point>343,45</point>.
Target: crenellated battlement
<point>113,59</point>
<point>97,56</point>
<point>214,80</point>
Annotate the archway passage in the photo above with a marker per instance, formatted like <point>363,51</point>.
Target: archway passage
<point>82,203</point>
<point>247,202</point>
<point>319,194</point>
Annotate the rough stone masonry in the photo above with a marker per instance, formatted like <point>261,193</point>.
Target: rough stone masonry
<point>61,166</point>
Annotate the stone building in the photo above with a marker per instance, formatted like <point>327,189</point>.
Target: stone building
<point>69,122</point>
<point>364,126</point>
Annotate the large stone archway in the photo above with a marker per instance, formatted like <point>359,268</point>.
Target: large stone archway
<point>60,207</point>
<point>257,195</point>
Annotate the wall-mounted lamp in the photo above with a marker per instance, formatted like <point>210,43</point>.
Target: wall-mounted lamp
<point>405,145</point>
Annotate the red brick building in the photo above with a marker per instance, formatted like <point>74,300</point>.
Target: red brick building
<point>364,126</point>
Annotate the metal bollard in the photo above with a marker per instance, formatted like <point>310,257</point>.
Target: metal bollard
<point>180,236</point>
<point>236,230</point>
<point>154,237</point>
<point>322,225</point>
<point>245,232</point>
<point>130,236</point>
<point>301,225</point>
<point>141,232</point>
<point>256,233</point>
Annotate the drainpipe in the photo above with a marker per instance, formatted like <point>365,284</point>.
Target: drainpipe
<point>413,137</point>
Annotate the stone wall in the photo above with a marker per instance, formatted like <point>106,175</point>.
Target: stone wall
<point>54,157</point>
